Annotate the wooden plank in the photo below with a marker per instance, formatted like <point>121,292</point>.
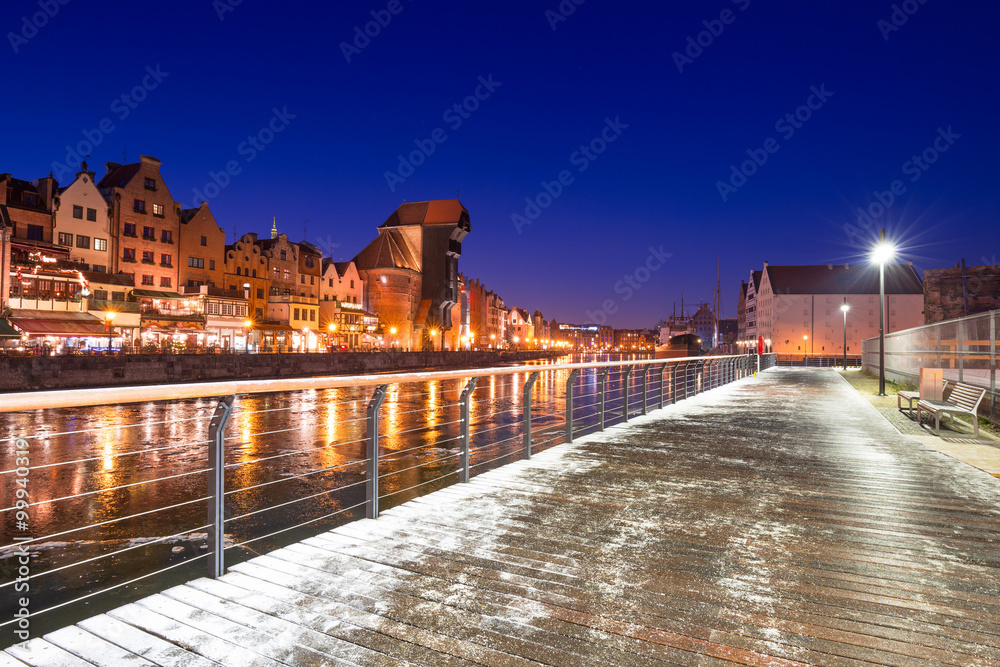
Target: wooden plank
<point>149,646</point>
<point>41,653</point>
<point>93,649</point>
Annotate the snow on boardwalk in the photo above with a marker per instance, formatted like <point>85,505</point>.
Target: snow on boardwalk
<point>777,521</point>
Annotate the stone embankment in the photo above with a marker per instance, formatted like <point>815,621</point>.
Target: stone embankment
<point>71,372</point>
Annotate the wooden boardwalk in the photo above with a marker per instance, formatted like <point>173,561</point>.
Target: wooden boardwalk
<point>777,521</point>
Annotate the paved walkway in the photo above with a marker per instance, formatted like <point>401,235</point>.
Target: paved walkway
<point>777,521</point>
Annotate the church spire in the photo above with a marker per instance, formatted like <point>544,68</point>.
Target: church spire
<point>274,228</point>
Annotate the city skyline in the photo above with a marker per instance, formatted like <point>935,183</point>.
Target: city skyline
<point>602,145</point>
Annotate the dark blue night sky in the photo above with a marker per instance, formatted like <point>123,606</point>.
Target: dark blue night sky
<point>626,149</point>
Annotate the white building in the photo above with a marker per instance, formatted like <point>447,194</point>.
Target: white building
<point>82,223</point>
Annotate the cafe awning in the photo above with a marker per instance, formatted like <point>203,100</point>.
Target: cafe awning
<point>56,323</point>
<point>7,331</point>
<point>156,294</point>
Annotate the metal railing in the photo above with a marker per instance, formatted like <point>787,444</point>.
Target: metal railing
<point>818,360</point>
<point>964,348</point>
<point>274,461</point>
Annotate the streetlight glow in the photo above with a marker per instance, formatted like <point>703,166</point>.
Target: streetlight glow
<point>883,253</point>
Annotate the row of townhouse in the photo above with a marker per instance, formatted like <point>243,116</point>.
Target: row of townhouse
<point>118,256</point>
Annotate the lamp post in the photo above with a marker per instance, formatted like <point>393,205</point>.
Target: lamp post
<point>882,253</point>
<point>109,318</point>
<point>248,325</point>
<point>433,334</point>
<point>845,308</point>
<point>392,332</point>
<point>332,328</point>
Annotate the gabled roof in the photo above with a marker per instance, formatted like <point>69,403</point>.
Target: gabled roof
<point>390,250</point>
<point>756,276</point>
<point>843,279</point>
<point>119,175</point>
<point>342,267</point>
<point>435,212</point>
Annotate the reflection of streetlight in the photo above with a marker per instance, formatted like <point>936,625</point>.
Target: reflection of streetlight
<point>109,318</point>
<point>845,308</point>
<point>882,253</point>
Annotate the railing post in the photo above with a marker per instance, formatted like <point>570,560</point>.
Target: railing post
<point>371,485</point>
<point>603,378</point>
<point>463,460</point>
<point>663,369</point>
<point>217,486</point>
<point>569,403</point>
<point>642,374</point>
<point>527,413</point>
<point>625,379</point>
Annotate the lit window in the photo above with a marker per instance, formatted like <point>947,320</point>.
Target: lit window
<point>158,210</point>
<point>101,245</point>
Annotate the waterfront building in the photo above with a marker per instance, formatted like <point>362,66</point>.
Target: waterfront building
<point>82,224</point>
<point>343,317</point>
<point>704,325</point>
<point>411,270</point>
<point>519,328</point>
<point>30,217</point>
<point>496,323</point>
<point>201,249</point>
<point>246,268</point>
<point>797,308</point>
<point>310,269</point>
<point>145,223</point>
<point>225,313</point>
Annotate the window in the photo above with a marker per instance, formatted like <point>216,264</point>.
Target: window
<point>147,280</point>
<point>164,281</point>
<point>331,282</point>
<point>312,315</point>
<point>282,254</point>
<point>65,239</point>
<point>83,242</point>
<point>196,262</point>
<point>92,214</point>
<point>277,273</point>
<point>147,257</point>
<point>128,254</point>
<point>310,262</point>
<point>312,280</point>
<point>100,295</point>
<point>139,206</point>
<point>158,210</point>
<point>99,268</point>
<point>35,232</point>
<point>30,199</point>
<point>352,284</point>
<point>150,183</point>
<point>149,233</point>
<point>101,245</point>
<point>129,229</point>
<point>260,292</point>
<point>296,314</point>
<point>78,212</point>
<point>302,279</point>
<point>213,308</point>
<point>287,272</point>
<point>211,266</point>
<point>164,259</point>
<point>204,240</point>
<point>166,236</point>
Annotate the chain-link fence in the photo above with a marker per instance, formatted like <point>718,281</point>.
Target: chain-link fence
<point>965,349</point>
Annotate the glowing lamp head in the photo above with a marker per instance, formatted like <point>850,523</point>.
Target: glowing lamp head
<point>109,316</point>
<point>883,252</point>
<point>393,331</point>
<point>845,307</point>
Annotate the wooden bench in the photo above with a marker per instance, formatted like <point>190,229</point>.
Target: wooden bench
<point>910,396</point>
<point>963,400</point>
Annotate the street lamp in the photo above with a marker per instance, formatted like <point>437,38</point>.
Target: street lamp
<point>247,326</point>
<point>109,318</point>
<point>433,334</point>
<point>882,253</point>
<point>305,339</point>
<point>845,308</point>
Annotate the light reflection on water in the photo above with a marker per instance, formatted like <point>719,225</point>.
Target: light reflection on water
<point>313,445</point>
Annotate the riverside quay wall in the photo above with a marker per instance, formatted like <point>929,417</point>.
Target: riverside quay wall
<point>19,374</point>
